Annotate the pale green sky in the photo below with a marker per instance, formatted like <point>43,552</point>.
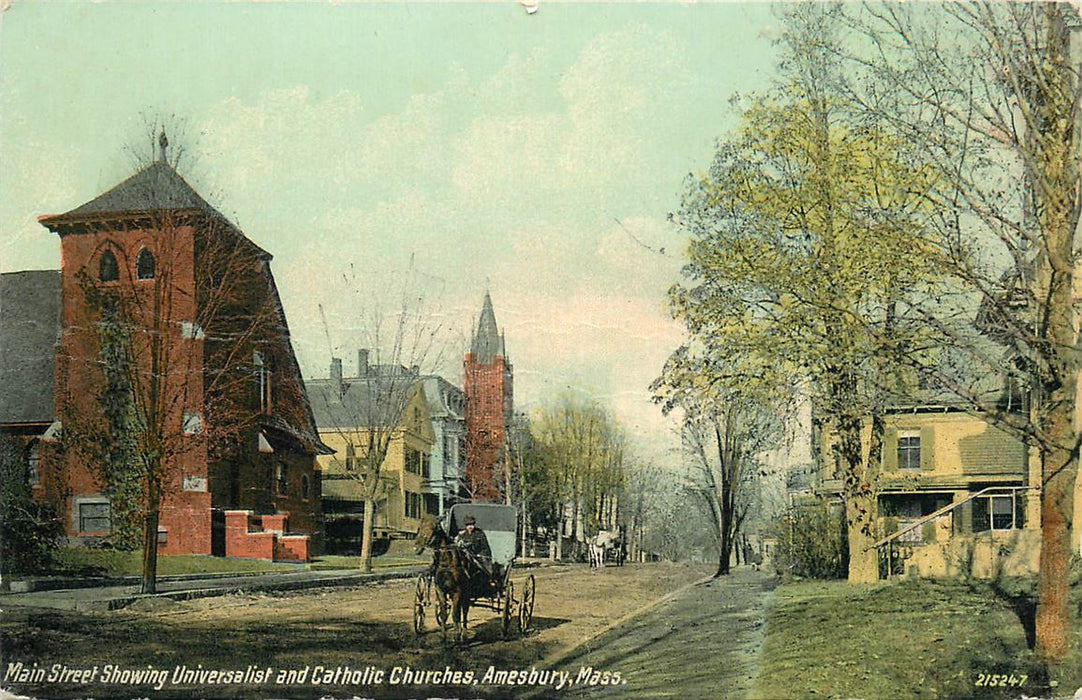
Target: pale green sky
<point>537,155</point>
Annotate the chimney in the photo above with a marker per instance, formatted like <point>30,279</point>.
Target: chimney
<point>336,372</point>
<point>362,363</point>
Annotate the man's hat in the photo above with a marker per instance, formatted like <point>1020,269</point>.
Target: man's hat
<point>470,520</point>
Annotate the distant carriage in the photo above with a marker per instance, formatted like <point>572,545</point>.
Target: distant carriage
<point>460,583</point>
<point>606,545</point>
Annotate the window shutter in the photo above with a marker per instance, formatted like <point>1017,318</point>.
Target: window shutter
<point>927,459</point>
<point>963,519</point>
<point>890,450</point>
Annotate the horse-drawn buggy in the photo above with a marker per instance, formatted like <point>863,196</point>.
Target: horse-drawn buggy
<point>460,578</point>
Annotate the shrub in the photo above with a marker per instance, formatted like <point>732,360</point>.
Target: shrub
<point>811,542</point>
<point>29,531</point>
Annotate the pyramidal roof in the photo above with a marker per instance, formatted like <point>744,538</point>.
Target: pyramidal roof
<point>157,187</point>
<point>487,341</point>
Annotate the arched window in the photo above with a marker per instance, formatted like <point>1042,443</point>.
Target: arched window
<point>108,270</point>
<point>144,265</point>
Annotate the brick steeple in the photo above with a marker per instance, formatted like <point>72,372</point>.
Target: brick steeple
<point>489,402</point>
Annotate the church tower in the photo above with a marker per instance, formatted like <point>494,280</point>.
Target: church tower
<point>489,399</point>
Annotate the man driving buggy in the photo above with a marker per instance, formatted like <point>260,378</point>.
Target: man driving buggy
<point>472,540</point>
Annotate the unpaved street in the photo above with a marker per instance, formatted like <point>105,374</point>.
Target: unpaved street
<point>344,630</point>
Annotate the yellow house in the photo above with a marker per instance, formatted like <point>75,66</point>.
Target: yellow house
<point>384,404</point>
<point>957,496</point>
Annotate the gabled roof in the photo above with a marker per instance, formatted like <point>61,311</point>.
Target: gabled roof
<point>487,341</point>
<point>29,330</point>
<point>359,402</point>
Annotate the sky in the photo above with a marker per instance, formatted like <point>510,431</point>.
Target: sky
<point>473,146</point>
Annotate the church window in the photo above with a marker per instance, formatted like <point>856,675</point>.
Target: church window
<point>108,270</point>
<point>144,265</point>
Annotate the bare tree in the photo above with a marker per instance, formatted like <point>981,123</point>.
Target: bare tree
<point>989,95</point>
<point>176,319</point>
<point>729,421</point>
<point>366,414</point>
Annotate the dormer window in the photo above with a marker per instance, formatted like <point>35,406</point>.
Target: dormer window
<point>108,270</point>
<point>144,265</point>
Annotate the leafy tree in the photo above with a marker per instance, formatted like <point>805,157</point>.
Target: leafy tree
<point>579,456</point>
<point>29,531</point>
<point>989,94</point>
<point>805,239</point>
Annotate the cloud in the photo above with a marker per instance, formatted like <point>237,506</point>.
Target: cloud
<point>45,181</point>
<point>539,182</point>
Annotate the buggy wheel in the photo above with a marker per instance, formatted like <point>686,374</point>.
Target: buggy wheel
<point>419,607</point>
<point>508,599</point>
<point>525,606</point>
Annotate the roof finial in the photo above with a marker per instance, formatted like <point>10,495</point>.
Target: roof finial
<point>163,143</point>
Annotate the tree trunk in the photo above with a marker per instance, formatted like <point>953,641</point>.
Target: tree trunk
<point>1059,470</point>
<point>366,533</point>
<point>725,551</point>
<point>863,558</point>
<point>860,504</point>
<point>1053,590</point>
<point>560,531</point>
<point>150,538</point>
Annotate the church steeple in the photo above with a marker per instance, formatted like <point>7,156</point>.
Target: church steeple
<point>487,340</point>
<point>488,386</point>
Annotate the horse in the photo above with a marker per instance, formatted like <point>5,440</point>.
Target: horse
<point>457,578</point>
<point>601,543</point>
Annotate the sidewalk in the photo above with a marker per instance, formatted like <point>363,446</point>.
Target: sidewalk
<point>78,595</point>
<point>111,597</point>
<point>703,641</point>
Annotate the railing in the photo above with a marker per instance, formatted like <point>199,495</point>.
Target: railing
<point>1011,490</point>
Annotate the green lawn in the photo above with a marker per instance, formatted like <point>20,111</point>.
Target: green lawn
<point>112,563</point>
<point>107,562</point>
<point>911,639</point>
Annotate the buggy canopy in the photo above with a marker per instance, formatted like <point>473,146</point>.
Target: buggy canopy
<point>498,522</point>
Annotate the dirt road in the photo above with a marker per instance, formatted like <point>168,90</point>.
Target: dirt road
<point>323,643</point>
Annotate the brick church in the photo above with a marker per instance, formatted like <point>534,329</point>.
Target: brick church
<point>169,316</point>
<point>488,386</point>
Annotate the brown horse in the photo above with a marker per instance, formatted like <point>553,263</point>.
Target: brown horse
<point>457,578</point>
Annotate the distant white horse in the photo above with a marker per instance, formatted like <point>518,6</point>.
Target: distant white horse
<point>603,541</point>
